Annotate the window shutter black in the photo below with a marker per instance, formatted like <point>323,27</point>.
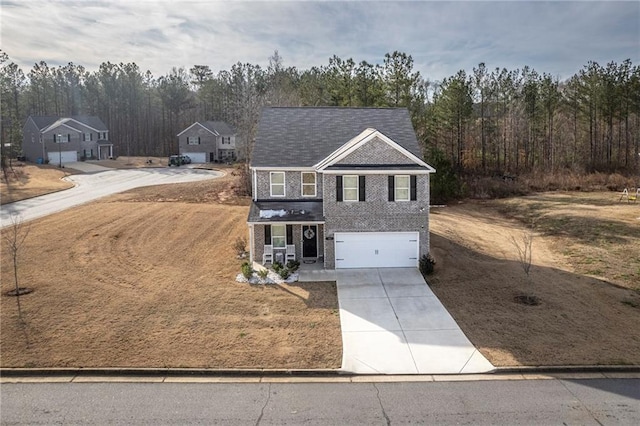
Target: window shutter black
<point>84,137</point>
<point>68,137</point>
<point>414,189</point>
<point>267,235</point>
<point>289,234</point>
<point>198,140</point>
<point>361,188</point>
<point>90,136</point>
<point>392,188</point>
<point>338,188</point>
<point>54,138</point>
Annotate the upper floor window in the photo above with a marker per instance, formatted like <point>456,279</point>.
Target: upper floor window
<point>308,184</point>
<point>350,188</point>
<point>62,138</point>
<point>102,135</point>
<point>87,136</point>
<point>403,188</point>
<point>226,140</point>
<point>277,184</point>
<point>193,140</point>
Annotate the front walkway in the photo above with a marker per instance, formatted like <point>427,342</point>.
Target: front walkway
<point>392,323</point>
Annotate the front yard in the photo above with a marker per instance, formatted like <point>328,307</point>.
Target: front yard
<point>28,180</point>
<point>147,279</point>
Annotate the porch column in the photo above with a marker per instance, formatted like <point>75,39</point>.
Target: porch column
<point>251,241</point>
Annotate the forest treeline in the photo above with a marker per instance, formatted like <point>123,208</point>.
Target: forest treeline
<point>477,122</point>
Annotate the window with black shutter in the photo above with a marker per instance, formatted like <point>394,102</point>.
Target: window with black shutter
<point>414,188</point>
<point>267,235</point>
<point>289,234</point>
<point>338,188</point>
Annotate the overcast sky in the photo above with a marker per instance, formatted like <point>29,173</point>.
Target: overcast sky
<point>443,37</point>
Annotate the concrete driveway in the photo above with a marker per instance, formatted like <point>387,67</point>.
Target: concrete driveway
<point>392,323</point>
<point>90,187</point>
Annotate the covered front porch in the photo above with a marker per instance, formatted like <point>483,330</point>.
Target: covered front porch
<point>285,231</point>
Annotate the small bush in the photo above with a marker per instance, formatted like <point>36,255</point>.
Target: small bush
<point>247,270</point>
<point>277,266</point>
<point>426,264</point>
<point>240,246</point>
<point>284,273</point>
<point>293,265</point>
<point>263,273</point>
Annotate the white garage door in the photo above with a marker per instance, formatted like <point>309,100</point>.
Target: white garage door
<point>376,249</point>
<point>67,157</point>
<point>197,157</point>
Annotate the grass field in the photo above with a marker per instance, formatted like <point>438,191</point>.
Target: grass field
<point>26,181</point>
<point>147,279</point>
<point>586,272</point>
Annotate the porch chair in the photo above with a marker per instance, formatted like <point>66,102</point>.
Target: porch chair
<point>267,255</point>
<point>630,195</point>
<point>291,253</point>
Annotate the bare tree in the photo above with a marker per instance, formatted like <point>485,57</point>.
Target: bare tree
<point>14,238</point>
<point>524,249</point>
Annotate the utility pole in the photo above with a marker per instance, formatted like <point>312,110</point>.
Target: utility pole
<point>60,149</point>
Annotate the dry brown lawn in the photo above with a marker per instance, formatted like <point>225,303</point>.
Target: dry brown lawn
<point>147,279</point>
<point>28,180</point>
<point>586,272</point>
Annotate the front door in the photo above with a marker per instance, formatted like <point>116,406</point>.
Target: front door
<point>309,241</point>
<point>212,157</point>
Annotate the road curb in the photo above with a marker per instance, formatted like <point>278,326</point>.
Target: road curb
<point>498,373</point>
<point>551,369</point>
<point>168,372</point>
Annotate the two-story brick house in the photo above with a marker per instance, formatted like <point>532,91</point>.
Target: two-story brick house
<point>342,186</point>
<point>62,140</point>
<point>208,142</point>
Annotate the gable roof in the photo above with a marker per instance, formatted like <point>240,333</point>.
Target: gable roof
<point>359,141</point>
<point>44,121</point>
<point>304,136</point>
<point>215,127</point>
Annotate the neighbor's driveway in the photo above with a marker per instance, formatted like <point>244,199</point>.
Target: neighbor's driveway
<point>392,323</point>
<point>90,187</point>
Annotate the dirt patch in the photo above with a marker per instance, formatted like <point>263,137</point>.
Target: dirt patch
<point>136,280</point>
<point>580,319</point>
<point>28,180</point>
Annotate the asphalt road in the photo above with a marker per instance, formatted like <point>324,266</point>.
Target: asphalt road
<point>90,187</point>
<point>579,402</point>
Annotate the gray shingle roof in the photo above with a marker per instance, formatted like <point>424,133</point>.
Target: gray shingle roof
<point>219,127</point>
<point>302,137</point>
<point>43,121</point>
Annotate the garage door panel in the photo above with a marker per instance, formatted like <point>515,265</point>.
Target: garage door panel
<point>197,157</point>
<point>376,249</point>
<point>67,157</point>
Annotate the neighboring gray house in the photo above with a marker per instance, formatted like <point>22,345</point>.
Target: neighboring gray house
<point>65,139</point>
<point>208,142</point>
<point>342,186</point>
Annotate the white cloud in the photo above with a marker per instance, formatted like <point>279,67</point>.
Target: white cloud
<point>443,37</point>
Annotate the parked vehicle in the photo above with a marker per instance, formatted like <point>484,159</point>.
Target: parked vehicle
<point>176,160</point>
<point>187,159</point>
